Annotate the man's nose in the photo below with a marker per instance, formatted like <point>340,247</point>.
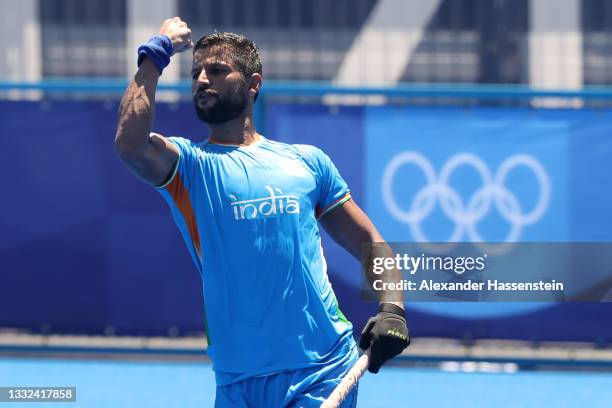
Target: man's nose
<point>203,79</point>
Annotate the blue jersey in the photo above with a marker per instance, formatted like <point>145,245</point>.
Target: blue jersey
<point>248,215</point>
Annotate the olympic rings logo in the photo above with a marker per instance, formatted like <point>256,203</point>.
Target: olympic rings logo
<point>466,215</point>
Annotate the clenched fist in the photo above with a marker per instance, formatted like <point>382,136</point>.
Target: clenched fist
<point>178,32</point>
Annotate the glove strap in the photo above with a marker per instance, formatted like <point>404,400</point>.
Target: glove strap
<point>159,49</point>
<point>391,308</point>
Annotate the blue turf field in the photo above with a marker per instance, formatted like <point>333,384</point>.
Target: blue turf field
<point>176,384</point>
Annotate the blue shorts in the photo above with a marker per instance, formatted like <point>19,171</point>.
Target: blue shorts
<point>305,388</point>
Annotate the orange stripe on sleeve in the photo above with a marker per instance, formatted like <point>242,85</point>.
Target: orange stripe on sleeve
<point>181,198</point>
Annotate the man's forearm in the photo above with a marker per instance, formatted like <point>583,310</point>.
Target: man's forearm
<point>382,250</point>
<point>351,228</point>
<point>385,335</point>
<point>137,109</point>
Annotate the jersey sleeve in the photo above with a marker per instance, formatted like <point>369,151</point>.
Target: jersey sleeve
<point>183,170</point>
<point>332,189</point>
<point>178,190</point>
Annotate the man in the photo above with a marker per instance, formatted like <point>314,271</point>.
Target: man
<point>247,208</point>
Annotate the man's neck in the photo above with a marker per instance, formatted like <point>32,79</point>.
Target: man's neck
<point>239,131</point>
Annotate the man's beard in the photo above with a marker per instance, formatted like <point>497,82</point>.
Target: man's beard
<point>218,108</point>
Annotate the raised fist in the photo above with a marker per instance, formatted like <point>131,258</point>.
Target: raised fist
<point>178,32</point>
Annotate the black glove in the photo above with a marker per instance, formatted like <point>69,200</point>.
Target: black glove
<point>385,334</point>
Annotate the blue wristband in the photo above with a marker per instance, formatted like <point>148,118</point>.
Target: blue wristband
<point>158,49</point>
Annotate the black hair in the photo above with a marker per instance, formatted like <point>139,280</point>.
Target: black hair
<point>244,53</point>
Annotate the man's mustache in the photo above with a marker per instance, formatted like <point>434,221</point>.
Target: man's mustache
<point>205,91</point>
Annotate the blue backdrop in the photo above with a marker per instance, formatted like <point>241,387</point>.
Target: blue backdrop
<point>84,245</point>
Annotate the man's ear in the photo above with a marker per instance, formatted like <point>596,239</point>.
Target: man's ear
<point>255,84</point>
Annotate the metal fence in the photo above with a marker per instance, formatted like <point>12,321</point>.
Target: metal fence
<point>83,38</point>
<point>464,41</point>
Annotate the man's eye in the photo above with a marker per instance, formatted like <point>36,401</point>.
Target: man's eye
<point>195,74</point>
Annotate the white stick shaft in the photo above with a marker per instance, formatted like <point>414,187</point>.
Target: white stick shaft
<point>348,382</point>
